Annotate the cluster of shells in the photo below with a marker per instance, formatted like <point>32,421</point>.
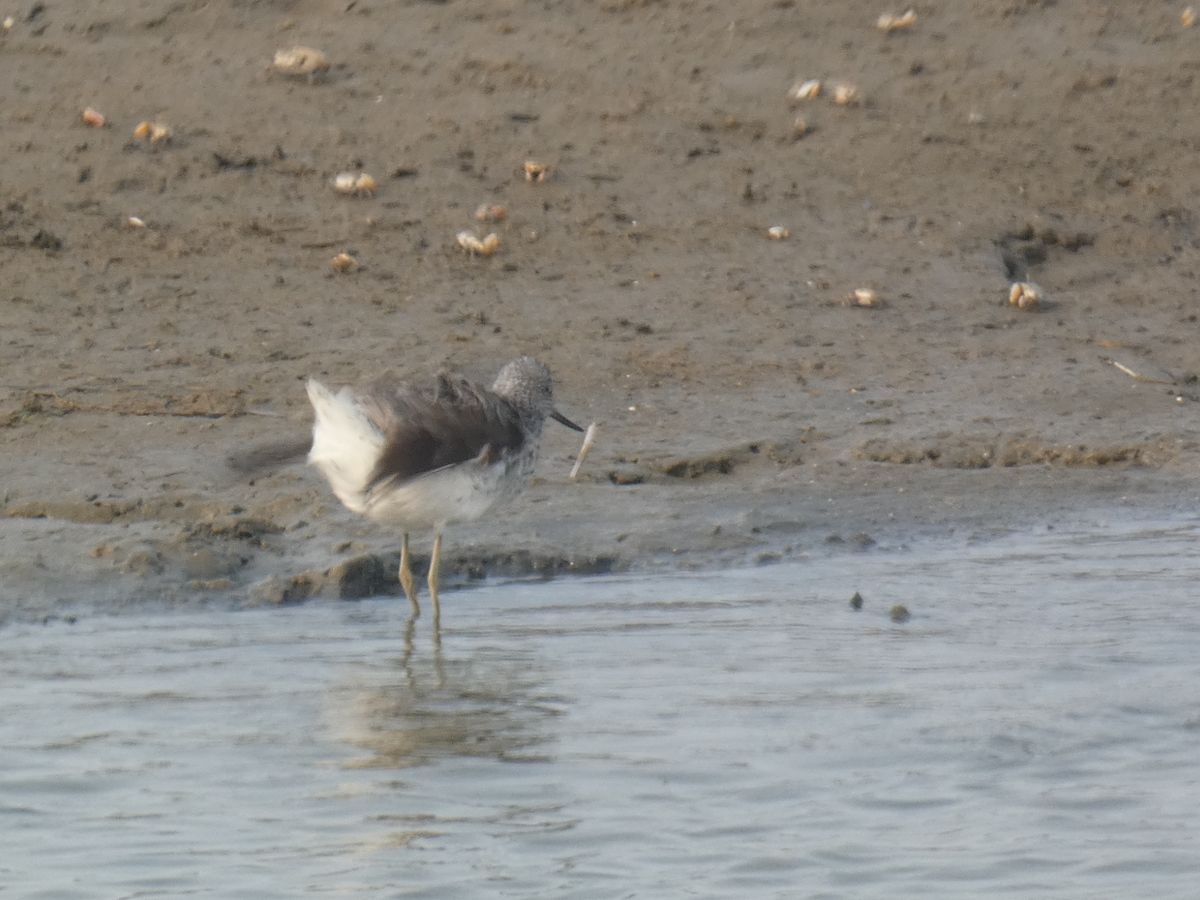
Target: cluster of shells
<point>471,243</point>
<point>474,245</point>
<point>307,62</point>
<point>846,94</point>
<point>150,132</point>
<point>154,132</point>
<point>843,93</point>
<point>310,63</point>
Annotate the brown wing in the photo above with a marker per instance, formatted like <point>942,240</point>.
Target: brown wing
<point>429,426</point>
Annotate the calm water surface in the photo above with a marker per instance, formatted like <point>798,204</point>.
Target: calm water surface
<point>1032,731</point>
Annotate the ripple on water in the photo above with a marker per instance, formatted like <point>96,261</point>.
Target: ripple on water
<point>1030,731</point>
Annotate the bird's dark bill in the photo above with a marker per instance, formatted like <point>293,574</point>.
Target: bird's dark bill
<point>560,418</point>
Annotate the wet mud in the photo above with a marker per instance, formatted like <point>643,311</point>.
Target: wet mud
<point>164,301</point>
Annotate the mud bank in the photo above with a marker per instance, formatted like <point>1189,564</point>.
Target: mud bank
<point>749,412</point>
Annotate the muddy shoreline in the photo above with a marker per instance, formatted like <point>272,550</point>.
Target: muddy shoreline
<point>749,411</point>
<point>72,559</point>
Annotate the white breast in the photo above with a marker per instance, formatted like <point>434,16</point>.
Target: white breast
<point>459,493</point>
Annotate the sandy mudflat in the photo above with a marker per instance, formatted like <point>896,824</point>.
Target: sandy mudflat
<point>747,412</point>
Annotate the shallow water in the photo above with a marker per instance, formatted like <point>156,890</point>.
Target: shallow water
<point>1032,731</point>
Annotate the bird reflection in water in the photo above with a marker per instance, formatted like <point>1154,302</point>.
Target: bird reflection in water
<point>494,704</point>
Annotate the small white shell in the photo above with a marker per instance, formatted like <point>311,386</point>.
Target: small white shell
<point>845,94</point>
<point>344,262</point>
<point>156,132</point>
<point>300,61</point>
<point>778,233</point>
<point>485,247</point>
<point>488,212</point>
<point>360,184</point>
<point>889,22</point>
<point>865,297</point>
<point>364,185</point>
<point>805,90</point>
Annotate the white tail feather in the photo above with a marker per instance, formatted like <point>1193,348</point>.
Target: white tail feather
<point>346,445</point>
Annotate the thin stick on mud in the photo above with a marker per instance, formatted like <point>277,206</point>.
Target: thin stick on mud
<point>1135,375</point>
<point>588,440</point>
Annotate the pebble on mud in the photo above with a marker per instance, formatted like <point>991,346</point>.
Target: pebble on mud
<point>778,233</point>
<point>536,171</point>
<point>94,117</point>
<point>856,602</point>
<point>899,614</point>
<point>344,262</point>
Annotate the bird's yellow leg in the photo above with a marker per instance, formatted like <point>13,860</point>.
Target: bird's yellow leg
<point>435,564</point>
<point>406,577</point>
